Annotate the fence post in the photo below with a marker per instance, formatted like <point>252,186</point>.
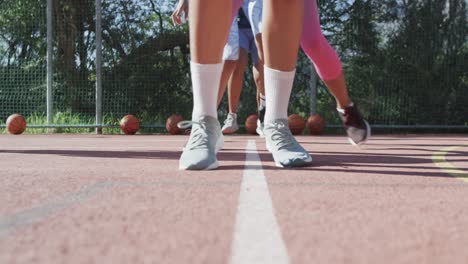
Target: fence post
<point>313,90</point>
<point>98,67</point>
<point>50,62</point>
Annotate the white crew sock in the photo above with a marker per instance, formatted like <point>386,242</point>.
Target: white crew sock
<point>278,86</point>
<point>205,85</point>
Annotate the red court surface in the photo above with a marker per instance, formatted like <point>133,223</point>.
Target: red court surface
<point>122,199</point>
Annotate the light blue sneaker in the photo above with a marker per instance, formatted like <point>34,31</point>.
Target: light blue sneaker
<point>230,124</point>
<point>285,149</point>
<point>204,143</point>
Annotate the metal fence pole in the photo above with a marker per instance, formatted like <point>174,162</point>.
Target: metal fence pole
<point>98,68</point>
<point>50,62</point>
<point>313,90</point>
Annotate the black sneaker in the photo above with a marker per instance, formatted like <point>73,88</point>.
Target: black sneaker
<point>261,113</point>
<point>261,118</point>
<point>356,127</point>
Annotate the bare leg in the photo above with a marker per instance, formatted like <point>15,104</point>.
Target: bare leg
<point>339,90</point>
<point>259,43</point>
<point>282,28</point>
<point>209,22</point>
<point>258,68</point>
<point>258,77</point>
<point>236,81</point>
<point>228,69</point>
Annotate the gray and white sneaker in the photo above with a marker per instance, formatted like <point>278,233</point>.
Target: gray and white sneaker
<point>259,129</point>
<point>204,143</point>
<point>285,149</point>
<point>230,124</point>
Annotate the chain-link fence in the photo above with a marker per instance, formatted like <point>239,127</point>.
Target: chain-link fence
<point>406,62</point>
<point>22,57</point>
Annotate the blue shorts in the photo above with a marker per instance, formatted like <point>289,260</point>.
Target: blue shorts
<point>240,38</point>
<point>247,42</point>
<point>231,49</point>
<point>254,11</point>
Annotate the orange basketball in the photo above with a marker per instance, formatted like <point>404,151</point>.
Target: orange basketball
<point>315,124</point>
<point>16,124</point>
<point>251,124</point>
<point>171,124</point>
<point>129,124</point>
<point>296,124</point>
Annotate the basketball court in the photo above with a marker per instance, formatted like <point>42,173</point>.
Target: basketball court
<point>121,199</point>
<point>75,76</point>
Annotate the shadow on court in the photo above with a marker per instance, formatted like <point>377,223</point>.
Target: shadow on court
<point>171,155</point>
<point>405,163</point>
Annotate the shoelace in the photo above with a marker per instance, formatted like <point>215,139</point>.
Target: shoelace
<point>199,137</point>
<point>282,136</point>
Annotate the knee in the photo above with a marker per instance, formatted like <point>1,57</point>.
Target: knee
<point>313,44</point>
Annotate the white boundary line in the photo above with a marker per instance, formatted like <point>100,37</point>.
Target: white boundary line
<point>257,236</point>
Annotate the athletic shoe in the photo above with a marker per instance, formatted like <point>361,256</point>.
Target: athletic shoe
<point>259,129</point>
<point>204,143</point>
<point>285,149</point>
<point>356,127</point>
<point>261,118</point>
<point>230,124</point>
<point>261,113</point>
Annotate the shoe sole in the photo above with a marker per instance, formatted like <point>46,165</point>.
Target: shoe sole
<point>230,131</point>
<point>368,129</point>
<point>304,163</point>
<point>215,164</point>
<point>212,166</point>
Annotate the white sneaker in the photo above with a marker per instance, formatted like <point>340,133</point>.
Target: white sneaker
<point>204,143</point>
<point>230,124</point>
<point>285,149</point>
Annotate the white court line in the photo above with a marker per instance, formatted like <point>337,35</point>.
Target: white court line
<point>257,236</point>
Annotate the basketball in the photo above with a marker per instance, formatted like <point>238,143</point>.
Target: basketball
<point>129,124</point>
<point>171,124</point>
<point>251,124</point>
<point>315,124</point>
<point>16,124</point>
<point>296,124</point>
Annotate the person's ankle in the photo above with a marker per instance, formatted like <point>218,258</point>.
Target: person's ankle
<point>344,104</point>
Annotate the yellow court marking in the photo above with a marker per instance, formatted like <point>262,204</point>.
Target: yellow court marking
<point>439,159</point>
